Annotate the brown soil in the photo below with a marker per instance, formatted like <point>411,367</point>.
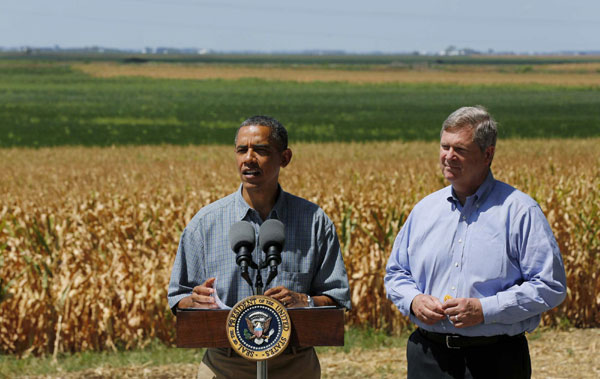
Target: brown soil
<point>554,354</point>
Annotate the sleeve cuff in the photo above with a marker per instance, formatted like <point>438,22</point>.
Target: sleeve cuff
<point>174,300</point>
<point>404,302</point>
<point>342,301</point>
<point>490,308</point>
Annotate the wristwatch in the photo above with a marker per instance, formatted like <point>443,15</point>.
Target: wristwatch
<point>311,302</point>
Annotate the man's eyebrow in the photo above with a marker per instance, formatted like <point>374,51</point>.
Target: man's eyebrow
<point>255,146</point>
<point>454,145</point>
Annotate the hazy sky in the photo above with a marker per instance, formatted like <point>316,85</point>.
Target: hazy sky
<point>275,25</point>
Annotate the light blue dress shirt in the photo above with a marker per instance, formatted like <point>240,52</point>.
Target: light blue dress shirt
<point>498,247</point>
<point>311,261</point>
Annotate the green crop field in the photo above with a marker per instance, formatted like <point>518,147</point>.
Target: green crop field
<point>48,103</point>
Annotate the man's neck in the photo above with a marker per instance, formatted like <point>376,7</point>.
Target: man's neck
<point>462,198</point>
<point>261,200</point>
<point>463,193</point>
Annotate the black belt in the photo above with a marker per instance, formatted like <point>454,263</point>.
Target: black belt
<point>455,341</point>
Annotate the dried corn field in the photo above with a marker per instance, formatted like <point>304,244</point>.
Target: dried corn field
<point>88,235</point>
<point>576,74</point>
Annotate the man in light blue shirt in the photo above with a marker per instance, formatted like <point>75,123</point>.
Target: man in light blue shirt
<point>475,264</point>
<point>311,273</point>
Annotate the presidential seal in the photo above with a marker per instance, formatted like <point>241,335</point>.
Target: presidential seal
<point>258,328</point>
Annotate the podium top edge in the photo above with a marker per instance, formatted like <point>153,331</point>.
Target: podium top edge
<point>288,309</point>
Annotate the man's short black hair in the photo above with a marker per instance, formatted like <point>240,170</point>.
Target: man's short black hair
<point>278,132</point>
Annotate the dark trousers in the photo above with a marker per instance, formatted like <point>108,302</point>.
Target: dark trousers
<point>299,363</point>
<point>507,358</point>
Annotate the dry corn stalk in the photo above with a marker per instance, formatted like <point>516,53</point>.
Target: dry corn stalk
<point>88,236</point>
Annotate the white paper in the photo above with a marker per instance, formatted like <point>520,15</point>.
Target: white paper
<point>217,299</point>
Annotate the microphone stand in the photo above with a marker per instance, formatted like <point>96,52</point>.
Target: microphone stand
<point>261,366</point>
<point>258,289</point>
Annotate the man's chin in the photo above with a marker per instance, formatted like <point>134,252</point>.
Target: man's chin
<point>250,185</point>
<point>449,176</point>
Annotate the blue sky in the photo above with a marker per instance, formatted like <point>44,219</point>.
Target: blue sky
<point>270,25</point>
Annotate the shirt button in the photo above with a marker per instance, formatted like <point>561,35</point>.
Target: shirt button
<point>455,264</point>
<point>453,288</point>
<point>464,218</point>
<point>459,240</point>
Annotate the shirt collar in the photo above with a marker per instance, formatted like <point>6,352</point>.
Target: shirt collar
<point>485,188</point>
<point>278,211</point>
<point>480,195</point>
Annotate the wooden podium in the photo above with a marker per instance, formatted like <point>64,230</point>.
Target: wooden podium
<point>320,326</point>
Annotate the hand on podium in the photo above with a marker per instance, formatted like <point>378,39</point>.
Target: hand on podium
<point>201,297</point>
<point>291,299</point>
<point>288,298</point>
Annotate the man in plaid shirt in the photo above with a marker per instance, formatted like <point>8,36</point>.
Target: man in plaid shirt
<point>312,271</point>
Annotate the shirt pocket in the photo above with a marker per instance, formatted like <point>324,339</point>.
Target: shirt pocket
<point>294,281</point>
<point>486,256</point>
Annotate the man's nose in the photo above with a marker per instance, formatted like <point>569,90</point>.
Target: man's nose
<point>450,154</point>
<point>250,156</point>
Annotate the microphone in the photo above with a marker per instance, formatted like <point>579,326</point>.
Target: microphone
<point>242,241</point>
<point>271,238</point>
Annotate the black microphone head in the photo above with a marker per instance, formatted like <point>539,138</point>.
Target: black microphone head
<point>241,234</point>
<point>272,232</point>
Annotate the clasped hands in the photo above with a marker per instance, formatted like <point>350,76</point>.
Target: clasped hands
<point>462,312</point>
<point>202,298</point>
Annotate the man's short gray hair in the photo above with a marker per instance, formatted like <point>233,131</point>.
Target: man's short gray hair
<point>278,132</point>
<point>485,131</point>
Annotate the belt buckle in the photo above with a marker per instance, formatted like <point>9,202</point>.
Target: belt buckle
<point>448,339</point>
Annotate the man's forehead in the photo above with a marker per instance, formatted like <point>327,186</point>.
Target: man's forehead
<point>262,129</point>
<point>254,134</point>
<point>249,136</point>
<point>464,134</point>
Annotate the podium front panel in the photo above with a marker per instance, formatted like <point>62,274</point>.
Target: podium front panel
<point>310,327</point>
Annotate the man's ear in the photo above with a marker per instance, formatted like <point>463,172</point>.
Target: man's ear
<point>489,154</point>
<point>286,157</point>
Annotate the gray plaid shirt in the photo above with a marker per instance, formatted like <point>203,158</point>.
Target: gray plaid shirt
<point>311,261</point>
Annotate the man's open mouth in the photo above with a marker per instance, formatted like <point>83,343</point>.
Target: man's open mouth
<point>251,172</point>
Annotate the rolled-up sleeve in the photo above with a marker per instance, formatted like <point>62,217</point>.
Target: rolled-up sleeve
<point>187,269</point>
<point>331,278</point>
